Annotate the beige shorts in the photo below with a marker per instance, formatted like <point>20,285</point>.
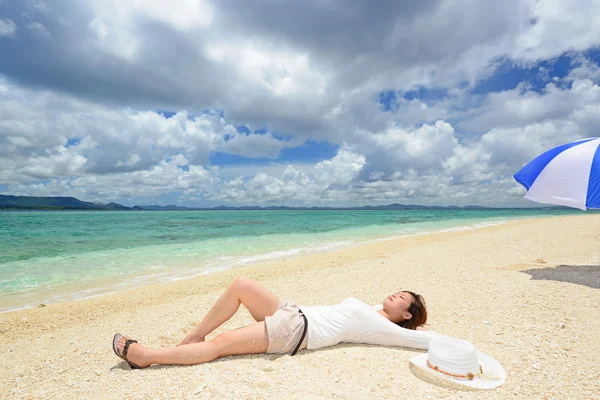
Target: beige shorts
<point>284,328</point>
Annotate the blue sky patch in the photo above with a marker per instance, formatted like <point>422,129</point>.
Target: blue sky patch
<point>425,95</point>
<point>388,98</point>
<point>169,114</point>
<point>166,114</point>
<point>509,75</point>
<point>73,142</point>
<point>593,55</point>
<point>242,129</point>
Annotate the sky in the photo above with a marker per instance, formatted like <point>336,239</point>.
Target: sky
<point>299,103</point>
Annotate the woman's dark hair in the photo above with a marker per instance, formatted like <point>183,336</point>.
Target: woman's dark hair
<point>418,311</point>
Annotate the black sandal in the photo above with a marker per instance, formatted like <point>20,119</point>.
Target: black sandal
<point>128,342</point>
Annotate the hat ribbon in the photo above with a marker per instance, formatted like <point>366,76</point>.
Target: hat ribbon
<point>470,376</point>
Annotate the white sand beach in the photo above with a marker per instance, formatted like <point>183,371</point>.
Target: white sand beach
<point>546,333</point>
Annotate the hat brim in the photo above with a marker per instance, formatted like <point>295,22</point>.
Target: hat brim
<point>489,365</point>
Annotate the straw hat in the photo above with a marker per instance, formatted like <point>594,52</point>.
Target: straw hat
<point>459,362</point>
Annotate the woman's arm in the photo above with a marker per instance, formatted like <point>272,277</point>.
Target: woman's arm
<point>396,336</point>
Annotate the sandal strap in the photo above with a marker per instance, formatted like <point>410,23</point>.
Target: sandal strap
<point>126,348</point>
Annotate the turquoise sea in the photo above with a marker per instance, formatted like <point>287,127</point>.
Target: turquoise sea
<point>65,255</point>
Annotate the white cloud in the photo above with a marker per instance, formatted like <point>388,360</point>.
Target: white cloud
<point>180,160</point>
<point>556,27</point>
<point>35,128</point>
<point>521,106</point>
<point>133,159</point>
<point>160,179</point>
<point>324,182</point>
<point>58,161</point>
<point>424,146</point>
<point>278,71</point>
<point>39,29</point>
<point>114,22</point>
<point>7,27</point>
<point>519,133</point>
<point>255,145</point>
<point>341,169</point>
<point>584,69</point>
<point>181,14</point>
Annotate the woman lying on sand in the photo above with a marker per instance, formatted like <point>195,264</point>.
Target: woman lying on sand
<point>282,327</point>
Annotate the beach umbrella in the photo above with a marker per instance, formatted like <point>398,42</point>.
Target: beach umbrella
<point>567,175</point>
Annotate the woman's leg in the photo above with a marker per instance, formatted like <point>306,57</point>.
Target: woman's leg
<point>259,301</point>
<point>251,339</point>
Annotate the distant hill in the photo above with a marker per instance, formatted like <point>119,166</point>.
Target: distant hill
<point>51,203</point>
<point>71,203</point>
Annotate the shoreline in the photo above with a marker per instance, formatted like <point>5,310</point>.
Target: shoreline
<point>46,295</point>
<point>544,332</point>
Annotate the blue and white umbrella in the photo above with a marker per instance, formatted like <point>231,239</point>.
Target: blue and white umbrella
<point>567,175</point>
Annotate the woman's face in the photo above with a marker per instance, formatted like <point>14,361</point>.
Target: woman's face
<point>396,306</point>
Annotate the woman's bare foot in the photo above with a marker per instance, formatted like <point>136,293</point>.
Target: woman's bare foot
<point>135,353</point>
<point>191,338</point>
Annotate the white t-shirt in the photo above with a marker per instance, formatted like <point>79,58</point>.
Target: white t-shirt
<point>353,321</point>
